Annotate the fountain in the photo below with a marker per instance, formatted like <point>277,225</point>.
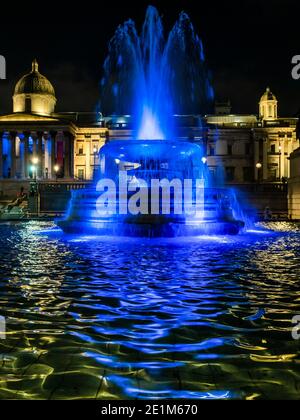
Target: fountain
<point>154,184</point>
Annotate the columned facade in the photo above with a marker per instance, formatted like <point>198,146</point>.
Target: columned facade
<point>13,156</point>
<point>52,140</point>
<point>26,171</point>
<point>37,143</point>
<point>22,153</point>
<point>87,144</point>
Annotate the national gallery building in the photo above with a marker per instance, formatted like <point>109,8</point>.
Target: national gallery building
<point>36,141</point>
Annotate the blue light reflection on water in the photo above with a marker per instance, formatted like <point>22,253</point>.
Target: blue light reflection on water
<point>185,317</point>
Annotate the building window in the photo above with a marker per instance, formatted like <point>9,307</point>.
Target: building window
<point>211,151</point>
<point>270,111</point>
<point>248,175</point>
<point>272,174</point>
<point>273,148</point>
<point>81,174</point>
<point>229,149</point>
<point>80,150</point>
<point>248,149</point>
<point>230,173</point>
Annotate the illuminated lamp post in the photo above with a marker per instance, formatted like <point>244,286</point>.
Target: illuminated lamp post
<point>95,155</point>
<point>34,199</point>
<point>56,170</point>
<point>258,167</point>
<point>34,167</point>
<point>204,161</point>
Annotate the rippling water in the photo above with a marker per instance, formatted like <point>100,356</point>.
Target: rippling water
<point>140,318</point>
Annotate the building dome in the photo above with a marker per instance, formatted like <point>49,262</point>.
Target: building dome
<point>34,82</point>
<point>268,106</point>
<point>268,96</point>
<point>34,93</point>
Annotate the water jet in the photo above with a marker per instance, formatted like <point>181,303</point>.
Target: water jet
<point>155,78</point>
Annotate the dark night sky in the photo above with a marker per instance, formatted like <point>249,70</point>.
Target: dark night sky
<point>248,44</point>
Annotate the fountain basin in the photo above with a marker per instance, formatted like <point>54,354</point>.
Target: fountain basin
<point>166,230</point>
<point>145,161</point>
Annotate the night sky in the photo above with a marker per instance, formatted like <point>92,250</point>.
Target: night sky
<point>248,45</point>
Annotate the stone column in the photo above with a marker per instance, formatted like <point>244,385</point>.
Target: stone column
<point>22,156</point>
<point>88,160</point>
<point>34,145</point>
<point>72,156</point>
<point>53,154</point>
<point>290,150</point>
<point>1,154</point>
<point>256,158</point>
<point>40,155</point>
<point>47,156</point>
<point>13,154</point>
<point>26,154</point>
<point>265,160</point>
<point>67,154</point>
<point>282,168</point>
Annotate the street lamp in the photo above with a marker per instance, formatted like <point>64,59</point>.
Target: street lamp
<point>35,162</point>
<point>258,167</point>
<point>33,169</point>
<point>204,161</point>
<point>95,154</point>
<point>56,170</point>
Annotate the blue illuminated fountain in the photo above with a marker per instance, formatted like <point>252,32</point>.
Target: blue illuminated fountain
<point>155,79</point>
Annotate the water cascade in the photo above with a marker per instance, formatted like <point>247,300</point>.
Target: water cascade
<point>154,184</point>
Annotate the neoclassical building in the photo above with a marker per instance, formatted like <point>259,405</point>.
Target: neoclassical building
<point>249,147</point>
<point>36,141</point>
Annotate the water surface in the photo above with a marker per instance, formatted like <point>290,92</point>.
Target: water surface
<point>140,318</point>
